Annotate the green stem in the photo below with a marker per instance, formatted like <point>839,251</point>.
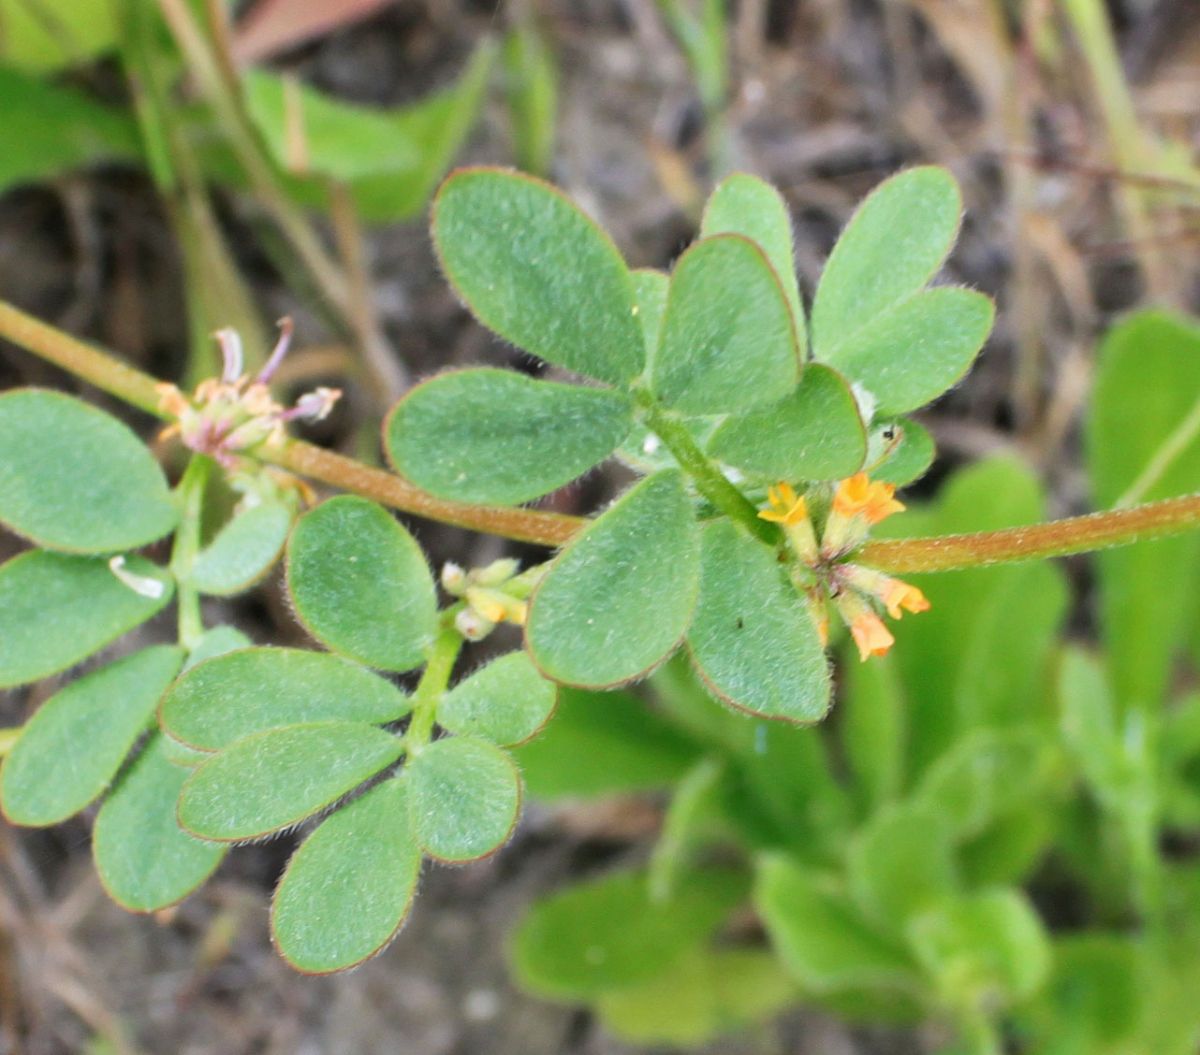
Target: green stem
<point>190,495</point>
<point>708,478</point>
<point>438,667</point>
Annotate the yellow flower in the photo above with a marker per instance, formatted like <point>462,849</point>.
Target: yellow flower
<point>860,496</point>
<point>893,594</point>
<point>786,507</point>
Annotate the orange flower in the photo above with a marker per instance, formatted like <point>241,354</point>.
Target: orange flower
<point>899,595</point>
<point>871,636</point>
<point>860,496</point>
<point>786,507</point>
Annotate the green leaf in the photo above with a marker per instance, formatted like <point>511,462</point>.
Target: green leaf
<point>1146,388</point>
<point>465,797</point>
<point>56,610</point>
<point>815,433</point>
<point>873,731</point>
<point>507,702</point>
<point>919,347</point>
<point>348,888</point>
<point>753,640</point>
<point>331,137</point>
<point>73,478</point>
<point>901,863</point>
<point>987,774</point>
<point>531,88</point>
<point>728,340</point>
<point>439,125</point>
<point>650,290</point>
<point>600,743</point>
<point>52,130</point>
<point>360,584</point>
<point>50,34</point>
<point>274,779</point>
<point>244,550</point>
<point>894,243</point>
<point>254,689</point>
<point>911,451</point>
<point>497,437</point>
<point>75,743</point>
<point>618,599</point>
<point>537,271</point>
<point>746,205</point>
<point>989,946</point>
<point>980,655</point>
<point>216,642</point>
<point>387,185</point>
<point>608,934</point>
<point>143,858</point>
<point>706,994</point>
<point>820,935</point>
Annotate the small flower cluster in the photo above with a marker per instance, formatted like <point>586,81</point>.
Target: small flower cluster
<point>229,415</point>
<point>825,575</point>
<point>491,595</point>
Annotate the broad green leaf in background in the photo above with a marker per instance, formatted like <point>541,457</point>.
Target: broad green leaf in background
<point>216,641</point>
<point>1094,1001</point>
<point>753,640</point>
<point>274,779</point>
<point>143,858</point>
<point>911,353</point>
<point>894,243</point>
<point>73,478</point>
<point>465,796</point>
<point>619,598</point>
<point>873,731</point>
<point>360,584</point>
<point>989,945</point>
<point>52,130</point>
<point>497,437</point>
<point>255,689</point>
<point>506,702</point>
<point>600,743</point>
<point>49,34</point>
<point>308,131</point>
<point>539,272</point>
<point>531,88</point>
<point>244,550</point>
<point>746,205</point>
<point>901,863</point>
<point>979,655</point>
<point>694,801</point>
<point>987,774</point>
<point>815,433</point>
<point>76,741</point>
<point>57,609</point>
<point>911,454</point>
<point>349,886</point>
<point>1147,385</point>
<point>650,290</point>
<point>705,994</point>
<point>728,340</point>
<point>387,185</point>
<point>607,934</point>
<point>821,936</point>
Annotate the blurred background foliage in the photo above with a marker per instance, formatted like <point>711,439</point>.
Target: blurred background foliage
<point>171,166</point>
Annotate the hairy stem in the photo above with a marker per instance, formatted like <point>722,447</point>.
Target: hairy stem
<point>708,478</point>
<point>440,665</point>
<point>1059,538</point>
<point>190,494</point>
